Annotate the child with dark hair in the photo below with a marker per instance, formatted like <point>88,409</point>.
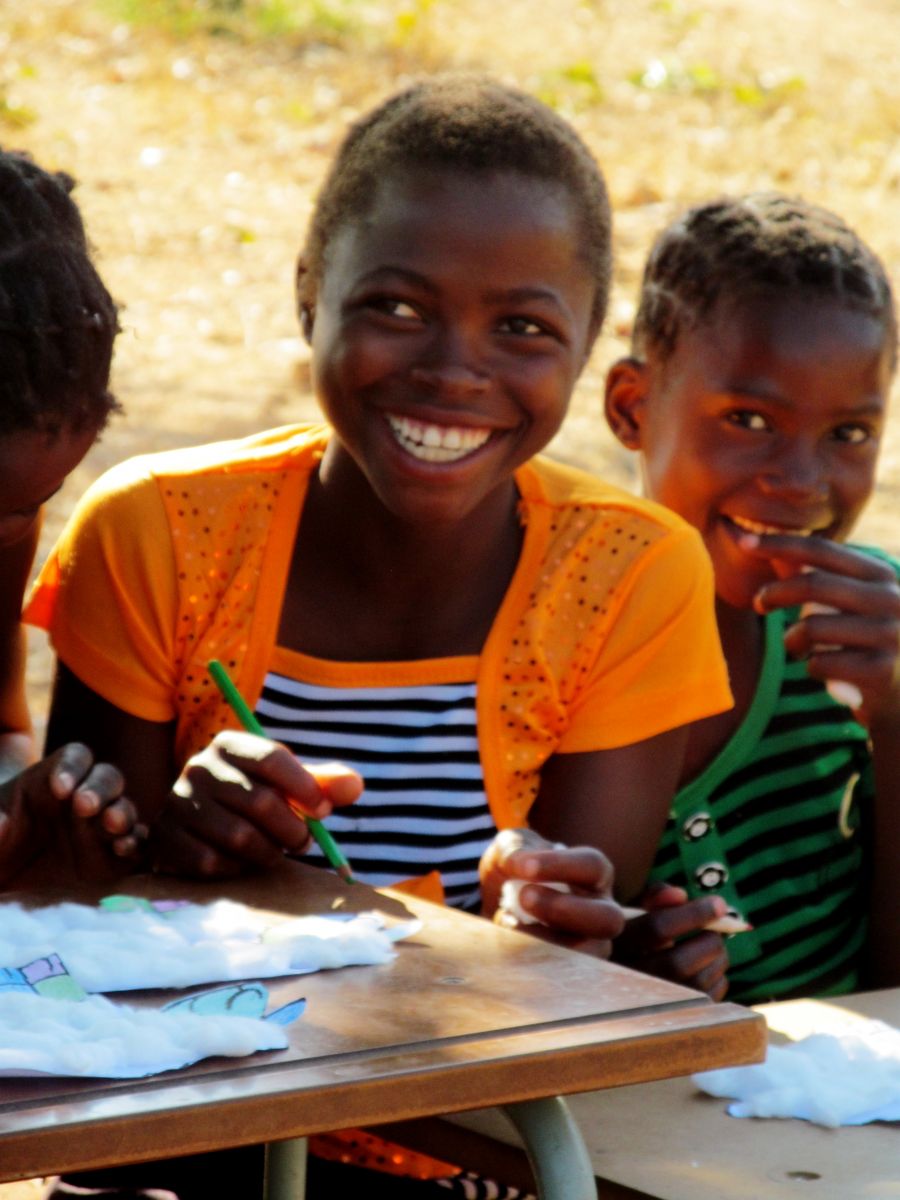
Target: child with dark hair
<point>57,327</point>
<point>756,394</point>
<point>488,638</point>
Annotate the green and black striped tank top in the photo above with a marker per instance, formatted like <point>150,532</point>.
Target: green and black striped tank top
<point>774,825</point>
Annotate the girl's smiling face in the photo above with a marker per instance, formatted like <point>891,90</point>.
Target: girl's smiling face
<point>450,326</point>
<point>767,418</point>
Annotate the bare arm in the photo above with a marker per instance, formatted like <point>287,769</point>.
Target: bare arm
<point>607,809</point>
<point>614,800</point>
<point>226,810</point>
<point>16,743</point>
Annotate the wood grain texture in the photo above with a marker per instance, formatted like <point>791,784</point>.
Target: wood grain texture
<point>668,1141</point>
<point>467,1015</point>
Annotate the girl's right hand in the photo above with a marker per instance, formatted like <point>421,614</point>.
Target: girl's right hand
<point>562,893</point>
<point>670,940</point>
<point>228,811</point>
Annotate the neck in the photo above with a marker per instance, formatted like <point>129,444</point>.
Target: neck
<point>383,549</point>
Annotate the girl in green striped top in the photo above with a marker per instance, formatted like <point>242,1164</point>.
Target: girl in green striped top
<point>756,395</point>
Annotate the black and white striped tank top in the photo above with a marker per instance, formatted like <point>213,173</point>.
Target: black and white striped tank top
<point>415,744</point>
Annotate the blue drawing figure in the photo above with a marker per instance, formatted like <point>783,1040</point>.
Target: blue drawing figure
<point>239,1000</point>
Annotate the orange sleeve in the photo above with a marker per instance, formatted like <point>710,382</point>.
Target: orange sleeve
<point>661,664</point>
<point>107,594</point>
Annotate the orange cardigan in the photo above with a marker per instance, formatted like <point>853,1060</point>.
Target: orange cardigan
<point>606,635</point>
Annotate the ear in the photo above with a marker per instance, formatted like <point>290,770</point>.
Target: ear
<point>626,394</point>
<point>303,292</point>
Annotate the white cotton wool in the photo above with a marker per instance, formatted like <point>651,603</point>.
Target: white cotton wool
<point>97,1038</point>
<point>111,950</point>
<point>831,1080</point>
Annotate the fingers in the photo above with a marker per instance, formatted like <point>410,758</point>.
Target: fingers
<point>700,962</point>
<point>578,866</point>
<point>817,571</point>
<point>234,823</point>
<point>577,901</point>
<point>580,916</point>
<point>792,553</point>
<point>339,783</point>
<point>314,789</point>
<point>241,801</point>
<point>176,851</point>
<point>68,767</point>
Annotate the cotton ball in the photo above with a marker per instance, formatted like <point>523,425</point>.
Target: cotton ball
<point>510,907</point>
<point>509,910</point>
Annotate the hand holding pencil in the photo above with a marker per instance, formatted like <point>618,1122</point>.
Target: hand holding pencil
<point>242,711</point>
<point>228,811</point>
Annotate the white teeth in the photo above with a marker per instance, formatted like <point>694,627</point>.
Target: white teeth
<point>436,443</point>
<point>759,527</point>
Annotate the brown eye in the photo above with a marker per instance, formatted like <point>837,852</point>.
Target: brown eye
<point>852,435</point>
<point>522,326</point>
<point>746,418</point>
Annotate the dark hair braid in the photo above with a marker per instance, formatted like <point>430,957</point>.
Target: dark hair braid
<point>58,322</point>
<point>467,123</point>
<point>750,246</point>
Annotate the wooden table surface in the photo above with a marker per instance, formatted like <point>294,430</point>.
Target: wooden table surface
<point>668,1141</point>
<point>468,1014</point>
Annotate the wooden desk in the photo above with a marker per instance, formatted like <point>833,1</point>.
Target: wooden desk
<point>668,1141</point>
<point>467,1014</point>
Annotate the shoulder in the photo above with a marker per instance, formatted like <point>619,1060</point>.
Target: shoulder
<point>558,485</point>
<point>135,484</point>
<point>275,449</point>
<point>572,499</point>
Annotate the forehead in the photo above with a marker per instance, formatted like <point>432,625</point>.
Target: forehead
<point>747,343</point>
<point>435,217</point>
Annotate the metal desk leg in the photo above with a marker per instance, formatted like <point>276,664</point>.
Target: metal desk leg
<point>555,1149</point>
<point>286,1170</point>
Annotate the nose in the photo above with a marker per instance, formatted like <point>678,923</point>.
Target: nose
<point>451,366</point>
<point>795,474</point>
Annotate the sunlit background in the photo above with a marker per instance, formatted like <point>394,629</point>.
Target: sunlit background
<point>200,131</point>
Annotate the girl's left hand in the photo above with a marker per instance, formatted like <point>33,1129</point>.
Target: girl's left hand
<point>583,916</point>
<point>851,632</point>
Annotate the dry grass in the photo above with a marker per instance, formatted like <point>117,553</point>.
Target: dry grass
<point>198,160</point>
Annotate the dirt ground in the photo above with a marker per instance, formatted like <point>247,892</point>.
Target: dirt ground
<point>198,159</point>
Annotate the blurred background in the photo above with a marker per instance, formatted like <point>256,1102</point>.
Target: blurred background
<point>199,131</point>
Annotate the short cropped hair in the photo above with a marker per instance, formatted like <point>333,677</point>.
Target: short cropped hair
<point>751,246</point>
<point>58,322</point>
<point>464,123</point>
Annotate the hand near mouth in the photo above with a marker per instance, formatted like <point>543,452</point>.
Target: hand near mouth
<point>849,627</point>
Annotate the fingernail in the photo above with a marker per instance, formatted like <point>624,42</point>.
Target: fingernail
<point>528,865</point>
<point>89,803</point>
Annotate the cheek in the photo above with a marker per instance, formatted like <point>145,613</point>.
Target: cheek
<point>14,528</point>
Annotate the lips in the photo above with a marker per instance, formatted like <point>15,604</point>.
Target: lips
<point>434,443</point>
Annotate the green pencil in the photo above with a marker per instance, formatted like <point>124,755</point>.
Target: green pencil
<point>242,711</point>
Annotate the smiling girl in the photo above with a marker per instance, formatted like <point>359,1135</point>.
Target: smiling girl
<point>763,354</point>
<point>486,639</point>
